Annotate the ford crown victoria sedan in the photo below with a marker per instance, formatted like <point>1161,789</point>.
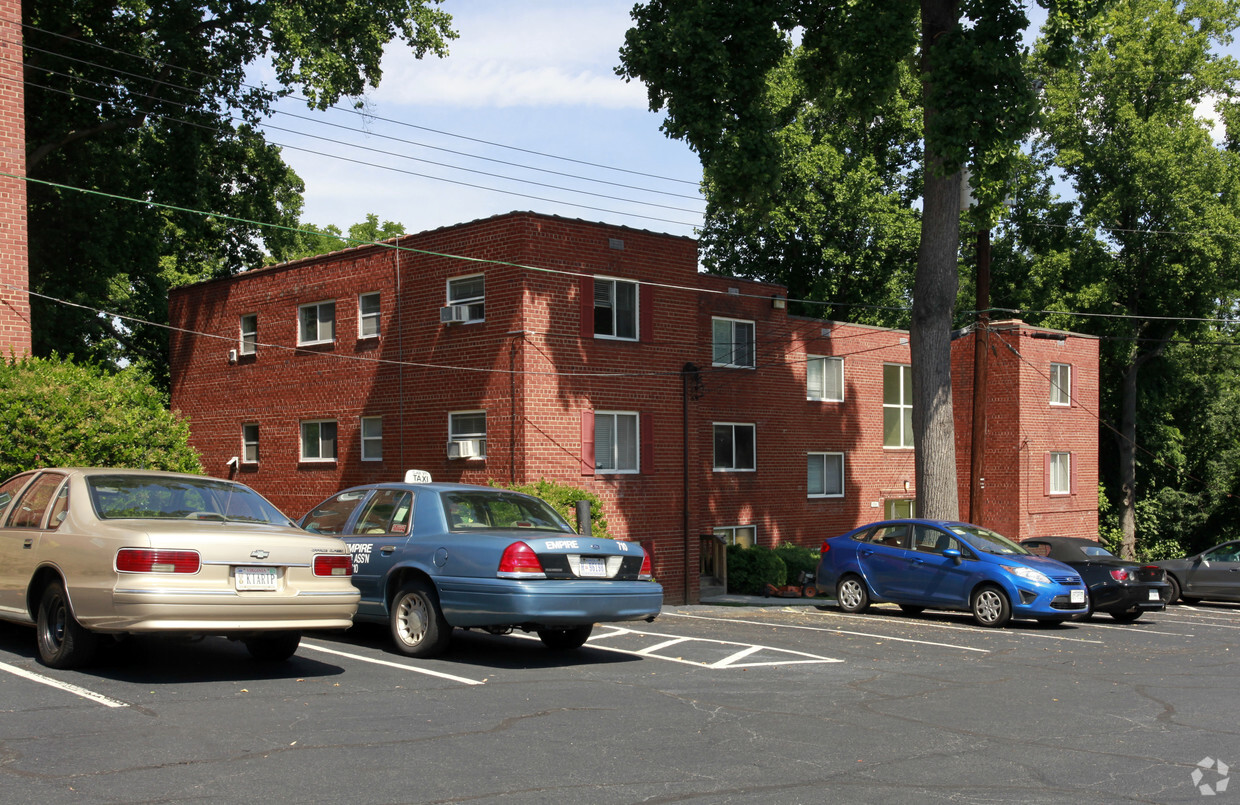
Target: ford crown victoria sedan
<point>937,564</point>
<point>86,553</point>
<point>430,557</point>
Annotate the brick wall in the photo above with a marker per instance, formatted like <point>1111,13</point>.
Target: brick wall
<point>537,370</point>
<point>14,272</point>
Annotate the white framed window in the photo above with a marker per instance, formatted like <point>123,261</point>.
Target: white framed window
<point>249,334</point>
<point>368,315</point>
<point>1059,474</point>
<point>732,343</point>
<point>468,431</point>
<point>469,292</point>
<point>1061,384</point>
<point>745,536</point>
<point>825,475</point>
<point>616,442</point>
<point>316,323</point>
<point>899,508</point>
<point>249,443</point>
<point>735,447</point>
<point>318,440</point>
<point>615,309</point>
<point>897,405</point>
<point>824,378</point>
<point>372,438</point>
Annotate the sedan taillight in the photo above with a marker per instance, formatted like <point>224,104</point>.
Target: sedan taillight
<point>647,571</point>
<point>520,562</point>
<point>333,565</point>
<point>1120,574</point>
<point>144,560</point>
<point>825,547</point>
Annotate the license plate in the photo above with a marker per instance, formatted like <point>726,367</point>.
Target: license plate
<point>1076,596</point>
<point>593,567</point>
<point>257,578</point>
<point>1154,596</point>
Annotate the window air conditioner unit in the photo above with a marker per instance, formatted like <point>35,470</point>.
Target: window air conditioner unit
<point>453,314</point>
<point>464,448</point>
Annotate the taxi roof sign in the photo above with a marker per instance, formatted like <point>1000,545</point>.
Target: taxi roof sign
<point>417,477</point>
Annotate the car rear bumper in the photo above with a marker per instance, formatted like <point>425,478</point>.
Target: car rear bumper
<point>224,612</point>
<point>1129,597</point>
<point>503,602</point>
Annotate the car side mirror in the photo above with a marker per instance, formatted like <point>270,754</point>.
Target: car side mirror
<point>954,554</point>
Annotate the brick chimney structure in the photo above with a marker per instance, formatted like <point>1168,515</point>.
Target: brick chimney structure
<point>14,264</point>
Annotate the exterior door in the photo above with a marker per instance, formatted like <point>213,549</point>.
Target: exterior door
<point>938,579</point>
<point>884,559</point>
<point>378,536</point>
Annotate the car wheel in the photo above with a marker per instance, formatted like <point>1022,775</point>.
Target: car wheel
<point>565,639</point>
<point>418,625</point>
<point>1175,589</point>
<point>911,609</point>
<point>63,642</point>
<point>274,647</point>
<point>991,607</point>
<point>852,595</point>
<point>1126,617</point>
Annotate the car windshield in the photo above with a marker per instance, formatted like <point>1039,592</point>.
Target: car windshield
<point>143,497</point>
<point>473,510</point>
<point>988,541</point>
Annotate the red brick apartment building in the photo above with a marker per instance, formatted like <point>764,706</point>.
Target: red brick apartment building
<point>528,346</point>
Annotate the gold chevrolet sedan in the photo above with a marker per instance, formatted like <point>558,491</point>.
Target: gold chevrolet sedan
<point>86,553</point>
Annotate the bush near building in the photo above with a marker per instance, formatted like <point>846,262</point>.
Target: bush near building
<point>751,569</point>
<point>54,412</point>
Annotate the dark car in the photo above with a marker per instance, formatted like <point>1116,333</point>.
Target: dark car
<point>1124,589</point>
<point>429,557</point>
<point>1212,575</point>
<point>937,564</point>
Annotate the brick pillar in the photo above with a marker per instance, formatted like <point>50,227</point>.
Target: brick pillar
<point>14,265</point>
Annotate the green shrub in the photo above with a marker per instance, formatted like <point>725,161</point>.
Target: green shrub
<point>564,499</point>
<point>751,569</point>
<point>798,558</point>
<point>55,413</point>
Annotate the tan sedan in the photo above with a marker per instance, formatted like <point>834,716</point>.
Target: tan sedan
<point>91,552</point>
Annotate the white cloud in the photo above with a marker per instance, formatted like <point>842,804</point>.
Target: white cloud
<point>528,54</point>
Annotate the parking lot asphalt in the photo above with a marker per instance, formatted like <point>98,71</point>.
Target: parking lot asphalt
<point>734,701</point>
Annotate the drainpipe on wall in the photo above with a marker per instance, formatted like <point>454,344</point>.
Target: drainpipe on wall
<point>691,388</point>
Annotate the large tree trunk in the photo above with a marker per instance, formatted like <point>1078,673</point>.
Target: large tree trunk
<point>1128,462</point>
<point>934,297</point>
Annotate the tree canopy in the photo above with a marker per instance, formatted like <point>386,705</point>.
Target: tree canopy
<point>149,100</point>
<point>716,69</point>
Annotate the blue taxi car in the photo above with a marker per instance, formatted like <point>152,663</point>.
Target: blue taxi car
<point>938,564</point>
<point>430,557</point>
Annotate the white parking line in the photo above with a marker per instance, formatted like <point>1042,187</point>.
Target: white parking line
<point>98,698</point>
<point>733,659</point>
<point>390,664</point>
<point>956,628</point>
<point>833,631</point>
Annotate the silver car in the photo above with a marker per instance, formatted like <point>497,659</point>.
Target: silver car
<point>92,552</point>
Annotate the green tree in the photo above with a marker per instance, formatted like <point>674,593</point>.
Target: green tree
<point>711,66</point>
<point>310,240</point>
<point>1150,233</point>
<point>54,412</point>
<point>148,99</point>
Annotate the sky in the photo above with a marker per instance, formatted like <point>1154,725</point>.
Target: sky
<point>525,113</point>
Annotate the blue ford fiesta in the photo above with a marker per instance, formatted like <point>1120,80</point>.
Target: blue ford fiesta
<point>938,564</point>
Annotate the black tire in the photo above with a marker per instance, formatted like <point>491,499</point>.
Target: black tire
<point>565,639</point>
<point>912,609</point>
<point>1126,617</point>
<point>991,607</point>
<point>852,595</point>
<point>1175,589</point>
<point>273,647</point>
<point>417,623</point>
<point>62,641</point>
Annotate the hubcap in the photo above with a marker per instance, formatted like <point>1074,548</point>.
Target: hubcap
<point>850,594</point>
<point>411,619</point>
<point>989,606</point>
